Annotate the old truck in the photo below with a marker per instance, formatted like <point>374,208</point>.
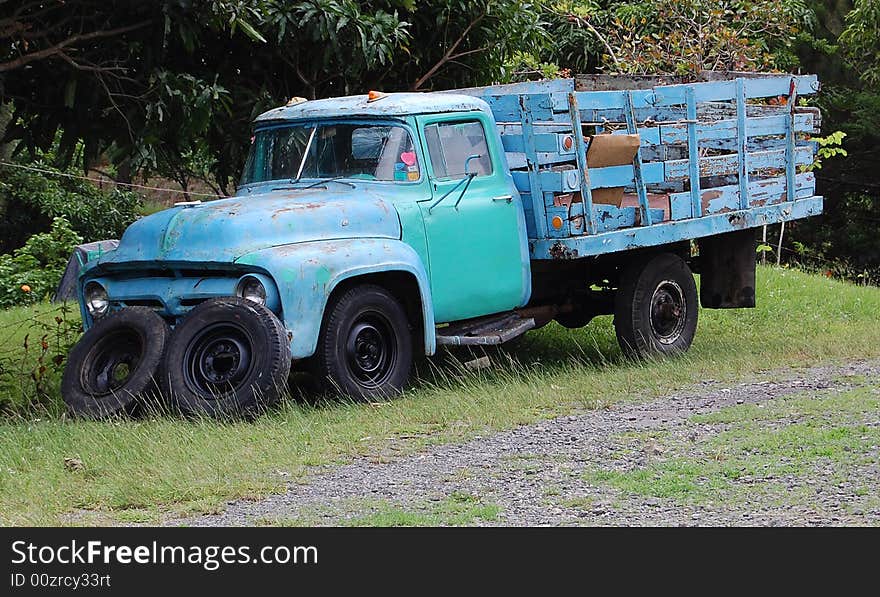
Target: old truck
<point>370,230</point>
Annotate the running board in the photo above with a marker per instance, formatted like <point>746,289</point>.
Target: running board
<point>492,330</point>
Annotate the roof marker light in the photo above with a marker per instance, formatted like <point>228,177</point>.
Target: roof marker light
<point>373,95</point>
<point>296,100</point>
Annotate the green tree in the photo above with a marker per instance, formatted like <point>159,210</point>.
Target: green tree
<point>676,36</point>
<point>170,87</point>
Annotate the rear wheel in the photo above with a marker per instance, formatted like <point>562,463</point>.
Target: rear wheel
<point>656,307</point>
<point>365,347</point>
<point>229,356</point>
<point>114,367</point>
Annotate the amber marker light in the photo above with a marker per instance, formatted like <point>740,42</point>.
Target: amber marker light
<point>373,95</point>
<point>556,222</point>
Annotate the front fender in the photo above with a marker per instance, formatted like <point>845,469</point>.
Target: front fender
<point>306,274</point>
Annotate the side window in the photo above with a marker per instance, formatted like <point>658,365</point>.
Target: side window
<point>450,144</point>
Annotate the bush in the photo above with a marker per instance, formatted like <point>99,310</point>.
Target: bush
<point>32,272</point>
<point>30,200</point>
<point>33,353</point>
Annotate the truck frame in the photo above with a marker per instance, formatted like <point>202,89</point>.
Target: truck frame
<point>372,229</point>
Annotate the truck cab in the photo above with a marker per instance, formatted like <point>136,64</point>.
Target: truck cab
<point>405,199</point>
<point>438,163</point>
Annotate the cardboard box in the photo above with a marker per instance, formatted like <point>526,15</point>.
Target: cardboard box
<point>611,150</point>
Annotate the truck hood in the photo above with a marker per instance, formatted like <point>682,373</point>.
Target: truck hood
<point>222,231</point>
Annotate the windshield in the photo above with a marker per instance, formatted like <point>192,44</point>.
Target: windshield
<point>310,151</point>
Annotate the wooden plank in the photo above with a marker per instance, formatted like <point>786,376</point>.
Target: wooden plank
<point>721,129</point>
<point>567,181</point>
<point>561,212</point>
<point>542,142</point>
<point>606,100</point>
<point>720,165</point>
<point>581,153</point>
<point>742,144</point>
<point>506,108</point>
<point>680,206</point>
<point>790,140</point>
<point>491,91</point>
<point>716,91</point>
<point>673,231</point>
<point>726,129</point>
<point>659,172</point>
<point>693,161</point>
<point>608,217</point>
<point>644,208</point>
<point>762,192</point>
<point>518,161</point>
<point>538,213</point>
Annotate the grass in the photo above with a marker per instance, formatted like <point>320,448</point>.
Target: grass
<point>158,466</point>
<point>457,509</point>
<point>756,448</point>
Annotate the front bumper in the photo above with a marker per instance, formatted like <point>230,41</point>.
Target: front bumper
<point>173,294</point>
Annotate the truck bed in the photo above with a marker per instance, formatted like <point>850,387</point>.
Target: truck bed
<point>713,157</point>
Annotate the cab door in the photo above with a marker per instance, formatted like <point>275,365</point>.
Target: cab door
<point>474,225</point>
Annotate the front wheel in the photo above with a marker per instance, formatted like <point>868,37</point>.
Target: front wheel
<point>228,357</point>
<point>365,347</point>
<point>655,309</point>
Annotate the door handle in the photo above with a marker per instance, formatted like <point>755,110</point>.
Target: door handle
<point>507,198</point>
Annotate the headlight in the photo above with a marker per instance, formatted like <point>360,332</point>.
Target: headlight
<point>97,301</point>
<point>251,289</point>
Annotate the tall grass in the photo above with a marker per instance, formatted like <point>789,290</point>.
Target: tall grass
<point>134,469</point>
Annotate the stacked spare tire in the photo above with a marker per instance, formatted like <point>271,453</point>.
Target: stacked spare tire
<point>228,356</point>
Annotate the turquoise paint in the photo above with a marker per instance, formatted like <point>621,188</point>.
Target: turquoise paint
<point>300,270</point>
<point>476,249</point>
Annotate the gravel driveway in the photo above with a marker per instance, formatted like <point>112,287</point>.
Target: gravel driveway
<point>794,447</point>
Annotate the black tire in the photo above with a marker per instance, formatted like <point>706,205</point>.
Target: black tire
<point>228,357</point>
<point>656,307</point>
<point>365,348</point>
<point>115,366</point>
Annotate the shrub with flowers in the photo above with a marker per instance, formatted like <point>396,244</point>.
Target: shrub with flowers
<point>31,273</point>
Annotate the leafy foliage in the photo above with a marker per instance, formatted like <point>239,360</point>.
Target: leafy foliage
<point>829,147</point>
<point>680,36</point>
<point>861,40</point>
<point>31,273</point>
<point>30,200</point>
<point>187,77</point>
<point>844,240</point>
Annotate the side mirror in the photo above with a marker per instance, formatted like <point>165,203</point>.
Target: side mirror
<point>467,164</point>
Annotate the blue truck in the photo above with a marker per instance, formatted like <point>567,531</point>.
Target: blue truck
<point>368,231</point>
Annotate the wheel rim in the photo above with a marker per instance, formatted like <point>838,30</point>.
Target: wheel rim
<point>112,362</point>
<point>371,349</point>
<point>218,359</point>
<point>668,312</point>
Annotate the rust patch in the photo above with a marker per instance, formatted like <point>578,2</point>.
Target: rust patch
<point>706,197</point>
<point>560,251</point>
<point>736,220</point>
